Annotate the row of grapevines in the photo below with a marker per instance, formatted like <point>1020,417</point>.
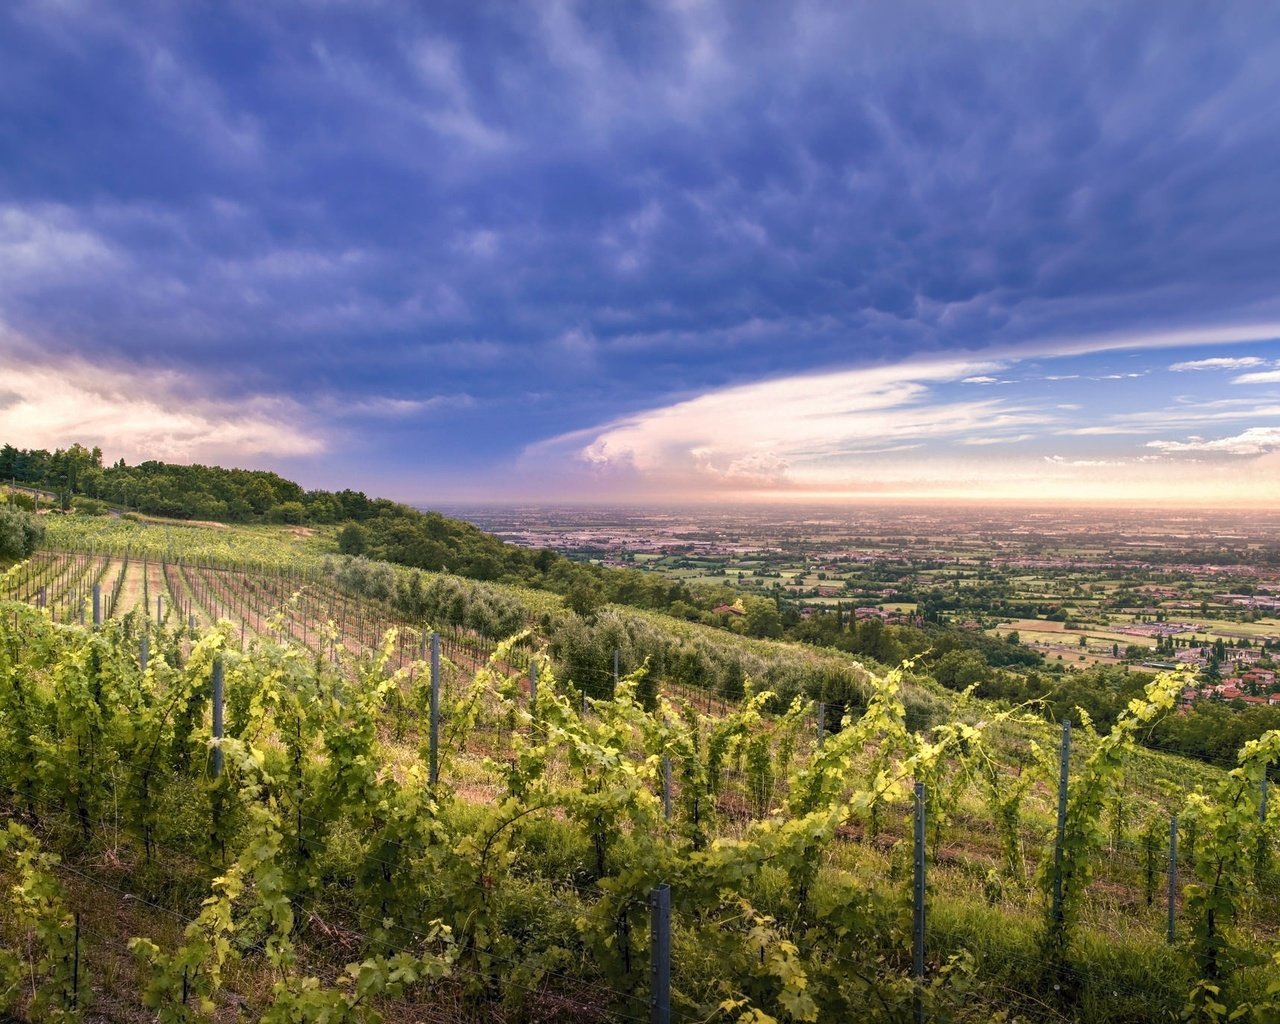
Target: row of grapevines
<point>324,811</point>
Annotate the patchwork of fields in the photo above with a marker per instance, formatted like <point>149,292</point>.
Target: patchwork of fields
<point>1080,587</point>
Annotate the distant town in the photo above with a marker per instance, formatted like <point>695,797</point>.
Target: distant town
<point>1147,589</point>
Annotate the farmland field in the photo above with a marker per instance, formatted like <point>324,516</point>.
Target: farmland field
<point>1028,571</point>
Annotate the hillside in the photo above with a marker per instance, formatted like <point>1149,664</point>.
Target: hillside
<point>535,783</point>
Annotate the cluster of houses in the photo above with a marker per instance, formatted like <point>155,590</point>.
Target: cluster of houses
<point>1253,686</point>
<point>889,618</point>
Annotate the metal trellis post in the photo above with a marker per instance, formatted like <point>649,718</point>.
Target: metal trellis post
<point>217,715</point>
<point>1063,768</point>
<point>434,768</point>
<point>666,786</point>
<point>660,955</point>
<point>917,929</point>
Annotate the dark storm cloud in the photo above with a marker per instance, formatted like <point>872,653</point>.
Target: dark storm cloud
<point>586,209</point>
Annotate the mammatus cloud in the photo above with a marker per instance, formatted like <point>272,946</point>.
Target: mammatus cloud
<point>565,208</point>
<point>1217,363</point>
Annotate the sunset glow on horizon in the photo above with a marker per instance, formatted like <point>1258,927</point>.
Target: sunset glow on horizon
<point>1103,426</point>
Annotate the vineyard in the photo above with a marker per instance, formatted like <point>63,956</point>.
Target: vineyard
<point>251,795</point>
<point>186,597</point>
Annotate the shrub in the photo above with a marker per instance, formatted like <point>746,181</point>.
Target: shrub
<point>20,532</point>
<point>287,512</point>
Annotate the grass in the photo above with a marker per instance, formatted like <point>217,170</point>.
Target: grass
<point>1232,630</point>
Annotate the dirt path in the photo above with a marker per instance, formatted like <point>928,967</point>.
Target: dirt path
<point>130,591</point>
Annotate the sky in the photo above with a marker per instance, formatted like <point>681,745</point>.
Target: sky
<point>651,251</point>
